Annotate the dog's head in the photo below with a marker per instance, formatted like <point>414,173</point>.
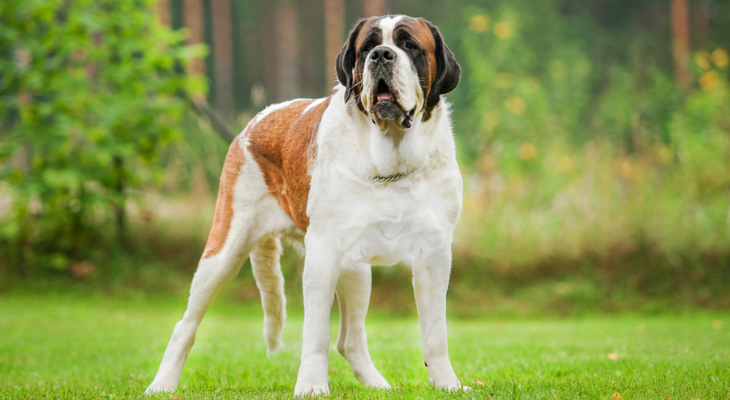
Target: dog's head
<point>396,68</point>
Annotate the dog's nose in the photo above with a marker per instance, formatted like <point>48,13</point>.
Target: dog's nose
<point>382,55</point>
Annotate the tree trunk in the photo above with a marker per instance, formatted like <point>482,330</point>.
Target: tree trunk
<point>120,206</point>
<point>223,56</point>
<point>334,25</point>
<point>269,42</point>
<point>163,11</point>
<point>310,15</point>
<point>193,19</point>
<point>287,52</point>
<point>702,20</point>
<point>680,42</point>
<point>374,8</point>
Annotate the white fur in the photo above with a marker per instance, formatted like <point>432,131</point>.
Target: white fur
<point>268,110</point>
<point>270,281</point>
<point>313,104</point>
<point>355,222</point>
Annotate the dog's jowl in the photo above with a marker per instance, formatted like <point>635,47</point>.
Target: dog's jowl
<point>367,176</point>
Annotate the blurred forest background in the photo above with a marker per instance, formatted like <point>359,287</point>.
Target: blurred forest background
<point>593,135</point>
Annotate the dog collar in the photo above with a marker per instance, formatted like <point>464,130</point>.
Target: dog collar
<point>391,178</point>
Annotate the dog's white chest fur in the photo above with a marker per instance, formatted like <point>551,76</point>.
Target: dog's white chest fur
<point>382,223</point>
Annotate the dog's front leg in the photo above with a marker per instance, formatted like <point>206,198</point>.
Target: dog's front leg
<point>430,282</point>
<point>353,296</point>
<point>321,271</point>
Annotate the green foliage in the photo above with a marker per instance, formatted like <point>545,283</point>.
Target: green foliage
<point>583,147</point>
<point>593,182</point>
<point>88,100</point>
<point>536,75</point>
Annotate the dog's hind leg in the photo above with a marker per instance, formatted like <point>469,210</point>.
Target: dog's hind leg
<point>270,281</point>
<point>212,273</point>
<point>353,297</point>
<point>231,238</point>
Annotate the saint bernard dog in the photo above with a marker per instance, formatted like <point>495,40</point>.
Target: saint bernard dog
<point>367,176</point>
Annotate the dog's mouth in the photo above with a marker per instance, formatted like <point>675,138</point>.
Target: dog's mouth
<point>386,107</point>
<point>383,92</point>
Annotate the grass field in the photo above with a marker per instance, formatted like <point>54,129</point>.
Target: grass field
<point>66,346</point>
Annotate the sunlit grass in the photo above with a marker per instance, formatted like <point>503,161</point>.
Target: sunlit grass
<point>93,347</point>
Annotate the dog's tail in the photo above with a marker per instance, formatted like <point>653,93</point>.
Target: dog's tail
<point>270,281</point>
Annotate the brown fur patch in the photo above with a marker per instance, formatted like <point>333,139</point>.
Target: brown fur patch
<point>367,27</point>
<point>422,34</point>
<point>284,146</point>
<point>224,203</point>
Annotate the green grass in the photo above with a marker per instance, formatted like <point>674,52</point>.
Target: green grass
<point>65,346</point>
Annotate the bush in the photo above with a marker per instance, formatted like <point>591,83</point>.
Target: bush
<point>89,97</point>
<point>580,169</point>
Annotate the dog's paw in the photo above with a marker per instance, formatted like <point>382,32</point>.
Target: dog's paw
<point>378,384</point>
<point>157,387</point>
<point>311,390</point>
<point>372,379</point>
<point>451,386</point>
<point>450,383</point>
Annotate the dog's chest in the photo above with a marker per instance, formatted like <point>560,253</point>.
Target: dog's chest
<point>382,224</point>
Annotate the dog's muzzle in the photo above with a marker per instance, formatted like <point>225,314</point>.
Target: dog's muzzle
<point>386,104</point>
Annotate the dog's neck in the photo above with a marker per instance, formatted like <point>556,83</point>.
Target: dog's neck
<point>391,128</point>
<point>368,149</point>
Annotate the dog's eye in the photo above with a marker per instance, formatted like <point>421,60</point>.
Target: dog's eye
<point>367,48</point>
<point>411,46</point>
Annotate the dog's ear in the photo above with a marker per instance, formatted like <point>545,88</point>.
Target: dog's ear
<point>346,60</point>
<point>448,71</point>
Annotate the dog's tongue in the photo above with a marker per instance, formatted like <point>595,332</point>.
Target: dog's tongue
<point>385,95</point>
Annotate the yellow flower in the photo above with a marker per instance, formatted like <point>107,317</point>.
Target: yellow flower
<point>527,151</point>
<point>503,30</point>
<point>532,84</point>
<point>565,164</point>
<point>479,23</point>
<point>720,58</point>
<point>505,80</point>
<point>709,80</point>
<point>558,69</point>
<point>515,105</point>
<point>702,59</point>
<point>490,120</point>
